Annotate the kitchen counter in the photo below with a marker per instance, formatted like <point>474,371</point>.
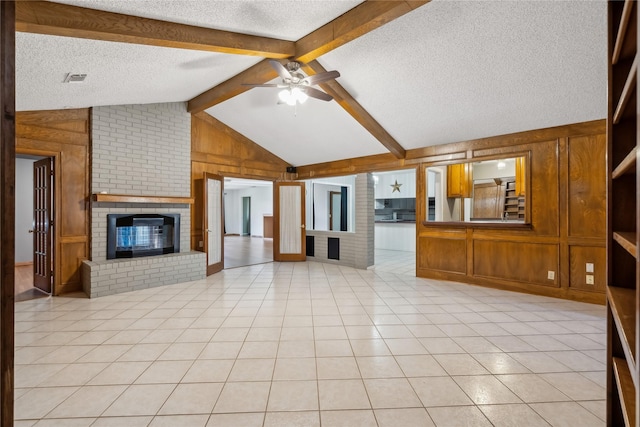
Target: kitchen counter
<point>395,235</point>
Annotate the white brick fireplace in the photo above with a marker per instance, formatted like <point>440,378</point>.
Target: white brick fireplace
<point>140,150</point>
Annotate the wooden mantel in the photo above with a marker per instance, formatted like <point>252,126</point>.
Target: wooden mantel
<point>126,198</point>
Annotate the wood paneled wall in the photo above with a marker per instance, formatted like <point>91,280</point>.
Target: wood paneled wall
<point>567,182</point>
<point>65,136</point>
<point>218,149</point>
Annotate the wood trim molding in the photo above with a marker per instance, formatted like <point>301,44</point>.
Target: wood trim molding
<point>43,17</point>
<point>463,151</point>
<point>470,224</point>
<point>123,198</point>
<point>7,208</point>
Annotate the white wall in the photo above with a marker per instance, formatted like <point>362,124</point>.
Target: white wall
<point>24,210</point>
<point>261,204</point>
<point>320,199</point>
<point>489,169</point>
<point>385,181</point>
<point>321,205</point>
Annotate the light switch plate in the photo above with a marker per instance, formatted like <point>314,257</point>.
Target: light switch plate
<point>551,275</point>
<point>589,267</point>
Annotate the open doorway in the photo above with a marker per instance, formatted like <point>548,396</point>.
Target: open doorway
<point>395,221</point>
<point>33,227</point>
<point>248,222</point>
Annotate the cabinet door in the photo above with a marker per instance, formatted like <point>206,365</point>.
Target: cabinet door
<point>520,176</point>
<point>459,180</point>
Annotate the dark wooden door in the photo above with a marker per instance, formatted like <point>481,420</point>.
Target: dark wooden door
<point>42,224</point>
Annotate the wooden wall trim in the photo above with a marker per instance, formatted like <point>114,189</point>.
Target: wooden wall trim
<point>7,209</point>
<point>454,152</point>
<point>64,135</point>
<point>564,293</point>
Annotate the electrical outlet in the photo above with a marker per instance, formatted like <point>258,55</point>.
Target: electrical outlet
<point>590,279</point>
<point>551,275</point>
<point>589,267</point>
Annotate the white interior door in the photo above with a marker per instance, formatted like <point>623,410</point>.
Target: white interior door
<point>213,223</point>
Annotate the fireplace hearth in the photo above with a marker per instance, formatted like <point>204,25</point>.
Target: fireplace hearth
<point>141,235</point>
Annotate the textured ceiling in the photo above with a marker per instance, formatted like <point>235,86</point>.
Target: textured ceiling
<point>448,71</point>
<point>286,20</point>
<point>453,71</point>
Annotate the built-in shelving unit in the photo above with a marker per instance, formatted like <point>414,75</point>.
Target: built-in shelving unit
<point>513,203</point>
<point>622,217</point>
<point>123,198</point>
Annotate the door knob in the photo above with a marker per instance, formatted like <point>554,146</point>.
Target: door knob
<point>30,231</point>
<point>302,226</point>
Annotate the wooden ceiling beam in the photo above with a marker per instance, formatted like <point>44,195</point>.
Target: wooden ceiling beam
<point>261,72</point>
<point>43,17</point>
<point>355,110</point>
<point>358,21</point>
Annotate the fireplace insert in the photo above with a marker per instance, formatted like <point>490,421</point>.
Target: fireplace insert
<point>139,235</point>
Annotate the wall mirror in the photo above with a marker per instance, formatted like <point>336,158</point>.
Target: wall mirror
<point>492,190</point>
<point>330,203</point>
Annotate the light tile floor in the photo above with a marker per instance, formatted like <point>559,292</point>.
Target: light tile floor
<point>310,344</point>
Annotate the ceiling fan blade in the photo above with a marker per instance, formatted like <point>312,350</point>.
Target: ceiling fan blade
<point>315,93</point>
<point>282,71</point>
<point>262,85</point>
<point>321,77</point>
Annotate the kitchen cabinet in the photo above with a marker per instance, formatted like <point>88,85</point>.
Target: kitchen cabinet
<point>459,180</point>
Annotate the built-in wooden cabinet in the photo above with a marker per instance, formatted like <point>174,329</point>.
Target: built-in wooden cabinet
<point>459,180</point>
<point>622,217</point>
<point>520,183</point>
<point>513,200</point>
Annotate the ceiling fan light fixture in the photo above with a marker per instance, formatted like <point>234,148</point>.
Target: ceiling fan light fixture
<point>291,96</point>
<point>284,95</point>
<point>299,95</point>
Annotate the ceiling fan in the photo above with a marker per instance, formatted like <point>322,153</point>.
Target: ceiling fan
<point>296,87</point>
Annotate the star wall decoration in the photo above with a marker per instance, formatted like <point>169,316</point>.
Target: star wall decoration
<point>396,187</point>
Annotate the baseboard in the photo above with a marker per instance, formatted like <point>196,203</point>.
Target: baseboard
<point>24,264</point>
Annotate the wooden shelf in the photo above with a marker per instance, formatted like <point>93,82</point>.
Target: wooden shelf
<point>623,321</point>
<point>627,165</point>
<point>626,18</point>
<point>623,308</point>
<point>626,239</point>
<point>627,91</point>
<point>123,198</point>
<point>626,390</point>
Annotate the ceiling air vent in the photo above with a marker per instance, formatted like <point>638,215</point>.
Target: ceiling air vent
<point>75,78</point>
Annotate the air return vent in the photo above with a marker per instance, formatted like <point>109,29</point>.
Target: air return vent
<point>75,78</point>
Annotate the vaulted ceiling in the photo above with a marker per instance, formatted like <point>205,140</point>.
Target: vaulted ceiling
<point>413,73</point>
